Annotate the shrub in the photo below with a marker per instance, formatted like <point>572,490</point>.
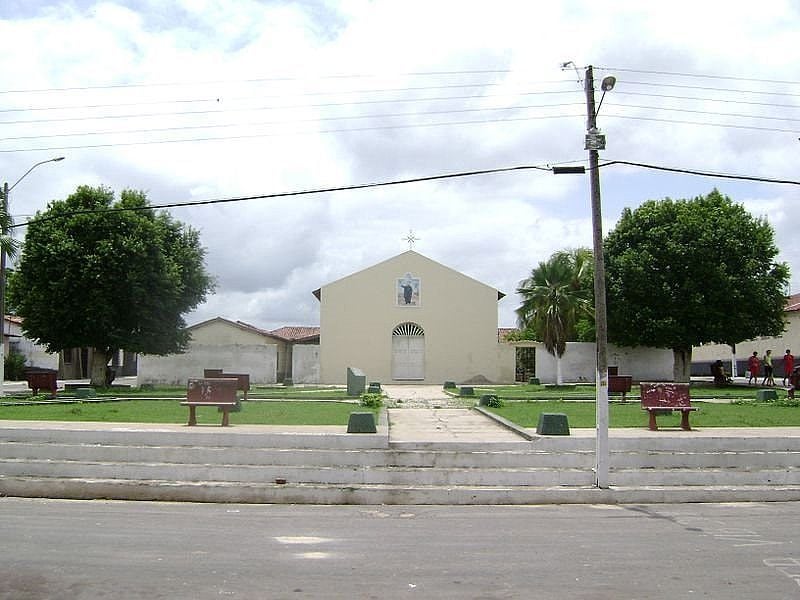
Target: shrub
<point>371,400</point>
<point>14,365</point>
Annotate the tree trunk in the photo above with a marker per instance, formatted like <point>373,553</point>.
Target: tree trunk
<point>682,366</point>
<point>100,360</point>
<point>559,379</point>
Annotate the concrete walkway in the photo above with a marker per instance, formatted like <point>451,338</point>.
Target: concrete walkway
<point>425,413</point>
<point>445,425</point>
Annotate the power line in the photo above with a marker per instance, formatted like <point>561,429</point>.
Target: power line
<point>227,100</point>
<point>277,134</point>
<point>291,121</point>
<point>701,99</point>
<point>706,88</point>
<point>267,107</point>
<point>698,75</point>
<point>359,186</point>
<point>702,112</point>
<point>704,123</point>
<point>702,173</point>
<point>253,80</point>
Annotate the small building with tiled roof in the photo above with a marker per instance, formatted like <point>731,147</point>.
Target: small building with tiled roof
<point>219,343</point>
<point>297,334</point>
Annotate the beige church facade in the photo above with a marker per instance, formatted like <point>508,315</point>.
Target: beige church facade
<point>411,319</point>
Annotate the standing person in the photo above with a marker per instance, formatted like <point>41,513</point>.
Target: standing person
<point>753,365</point>
<point>767,360</point>
<point>788,367</point>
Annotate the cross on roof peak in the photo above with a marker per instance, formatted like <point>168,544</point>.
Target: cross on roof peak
<point>411,239</point>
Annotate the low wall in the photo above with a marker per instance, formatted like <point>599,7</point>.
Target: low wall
<point>258,360</point>
<point>579,362</point>
<point>35,354</point>
<point>305,363</point>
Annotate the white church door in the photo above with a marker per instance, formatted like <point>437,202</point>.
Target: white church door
<point>408,352</point>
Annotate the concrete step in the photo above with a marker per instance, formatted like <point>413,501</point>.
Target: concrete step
<point>228,437</point>
<point>746,459</point>
<point>295,456</point>
<point>740,476</point>
<point>486,458</point>
<point>333,475</point>
<point>202,491</point>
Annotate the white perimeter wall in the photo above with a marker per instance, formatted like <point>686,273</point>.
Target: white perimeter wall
<point>258,360</point>
<point>305,363</point>
<point>579,362</point>
<point>790,339</point>
<point>36,355</point>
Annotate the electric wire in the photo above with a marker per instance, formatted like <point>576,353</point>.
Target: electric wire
<point>253,80</point>
<point>701,112</point>
<point>698,75</point>
<point>393,182</point>
<point>291,121</point>
<point>340,188</point>
<point>279,134</point>
<point>704,123</point>
<point>702,173</point>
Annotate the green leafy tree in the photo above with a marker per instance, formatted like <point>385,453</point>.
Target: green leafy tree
<point>680,273</point>
<point>555,299</point>
<point>108,275</point>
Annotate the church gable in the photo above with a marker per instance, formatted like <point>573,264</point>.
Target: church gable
<point>407,269</point>
<point>408,318</point>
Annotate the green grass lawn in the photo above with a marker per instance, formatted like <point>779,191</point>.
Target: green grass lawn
<point>170,411</point>
<point>265,392</point>
<point>587,392</point>
<point>630,414</point>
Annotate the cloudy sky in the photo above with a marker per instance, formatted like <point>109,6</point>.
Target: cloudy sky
<point>195,100</point>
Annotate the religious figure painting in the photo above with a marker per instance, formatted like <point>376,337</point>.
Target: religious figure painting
<point>408,290</point>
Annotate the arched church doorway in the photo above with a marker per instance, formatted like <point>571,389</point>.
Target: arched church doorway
<point>408,352</point>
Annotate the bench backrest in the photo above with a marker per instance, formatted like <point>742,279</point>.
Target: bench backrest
<point>619,383</point>
<point>242,378</point>
<point>666,395</point>
<point>211,390</point>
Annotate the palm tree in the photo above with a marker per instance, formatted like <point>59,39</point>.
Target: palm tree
<point>7,242</point>
<point>555,296</point>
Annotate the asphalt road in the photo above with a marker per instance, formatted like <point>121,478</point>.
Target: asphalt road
<point>91,549</point>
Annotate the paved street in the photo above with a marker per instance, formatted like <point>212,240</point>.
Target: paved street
<point>97,549</point>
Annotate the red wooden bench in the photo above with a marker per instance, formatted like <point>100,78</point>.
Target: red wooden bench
<point>660,398</point>
<point>41,379</point>
<point>243,379</point>
<point>217,392</point>
<point>620,383</point>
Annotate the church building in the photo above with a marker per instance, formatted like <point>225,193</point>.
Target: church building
<point>411,319</point>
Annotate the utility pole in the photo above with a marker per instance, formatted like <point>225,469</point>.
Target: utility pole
<point>594,142</point>
<point>3,232</point>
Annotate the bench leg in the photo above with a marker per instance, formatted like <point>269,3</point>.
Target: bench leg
<point>225,413</point>
<point>192,416</point>
<point>685,420</point>
<point>652,424</point>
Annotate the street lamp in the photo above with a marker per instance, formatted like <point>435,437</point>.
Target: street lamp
<point>6,221</point>
<point>597,141</point>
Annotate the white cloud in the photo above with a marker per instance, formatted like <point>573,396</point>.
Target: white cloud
<point>275,74</point>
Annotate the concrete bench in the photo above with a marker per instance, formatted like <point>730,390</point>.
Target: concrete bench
<point>217,392</point>
<point>41,379</point>
<point>661,398</point>
<point>243,379</point>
